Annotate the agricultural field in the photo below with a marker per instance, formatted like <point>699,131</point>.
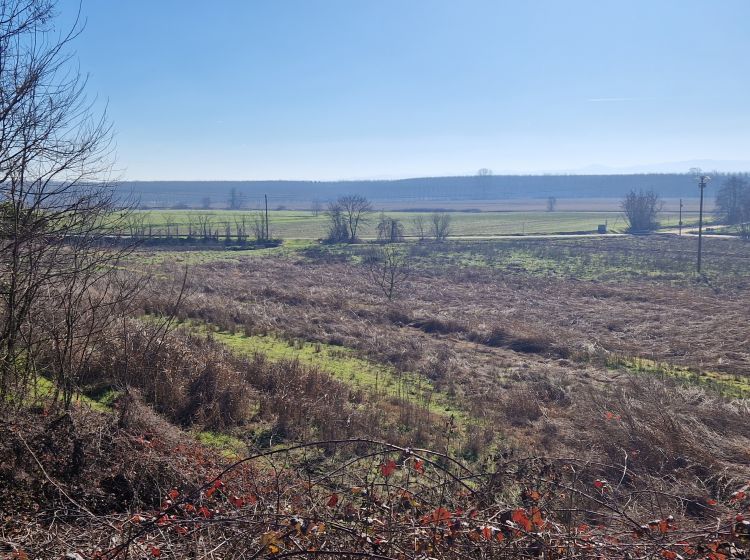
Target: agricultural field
<point>301,224</point>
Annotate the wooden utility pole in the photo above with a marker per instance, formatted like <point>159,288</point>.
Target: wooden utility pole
<point>680,217</point>
<point>703,180</point>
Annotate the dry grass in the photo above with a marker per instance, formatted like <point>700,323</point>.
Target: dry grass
<point>525,356</point>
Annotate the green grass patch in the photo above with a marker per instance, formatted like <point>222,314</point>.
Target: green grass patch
<point>728,385</point>
<point>343,364</point>
<point>229,446</point>
<point>44,389</point>
<point>193,256</point>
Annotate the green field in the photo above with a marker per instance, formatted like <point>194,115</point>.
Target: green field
<point>300,224</point>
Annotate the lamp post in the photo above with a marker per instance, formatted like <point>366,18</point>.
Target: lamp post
<point>703,181</point>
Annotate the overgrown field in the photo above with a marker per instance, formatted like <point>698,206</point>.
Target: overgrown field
<point>516,398</point>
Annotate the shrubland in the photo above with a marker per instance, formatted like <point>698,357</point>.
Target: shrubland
<point>500,416</point>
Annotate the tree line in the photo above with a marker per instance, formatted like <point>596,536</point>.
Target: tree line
<point>732,206</point>
<point>347,214</point>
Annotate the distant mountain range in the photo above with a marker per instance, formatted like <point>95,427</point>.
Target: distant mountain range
<point>293,194</point>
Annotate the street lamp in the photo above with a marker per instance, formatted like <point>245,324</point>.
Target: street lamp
<point>703,181</point>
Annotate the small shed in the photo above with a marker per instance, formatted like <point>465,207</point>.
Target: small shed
<point>602,228</point>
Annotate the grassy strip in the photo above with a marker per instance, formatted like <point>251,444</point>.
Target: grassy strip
<point>191,256</point>
<point>733,386</point>
<point>343,364</point>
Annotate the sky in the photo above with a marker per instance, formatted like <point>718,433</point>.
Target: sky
<point>350,89</point>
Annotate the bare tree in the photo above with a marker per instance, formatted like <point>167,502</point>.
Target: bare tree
<point>260,226</point>
<point>419,227</point>
<point>641,209</point>
<point>356,210</point>
<point>390,230</point>
<point>205,225</point>
<point>191,226</point>
<point>440,226</point>
<point>236,199</point>
<point>240,228</point>
<point>551,203</point>
<point>57,263</point>
<point>733,200</point>
<point>388,268</point>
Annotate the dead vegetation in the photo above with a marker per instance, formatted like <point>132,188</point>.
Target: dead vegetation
<point>583,460</point>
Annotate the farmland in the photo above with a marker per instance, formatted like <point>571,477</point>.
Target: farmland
<point>300,224</point>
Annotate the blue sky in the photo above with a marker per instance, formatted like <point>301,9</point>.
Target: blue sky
<point>332,89</point>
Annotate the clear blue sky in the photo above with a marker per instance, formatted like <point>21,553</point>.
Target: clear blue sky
<point>329,89</point>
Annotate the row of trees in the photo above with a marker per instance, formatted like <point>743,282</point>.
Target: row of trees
<point>201,227</point>
<point>347,214</point>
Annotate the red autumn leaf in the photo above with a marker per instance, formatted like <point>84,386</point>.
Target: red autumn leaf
<point>333,500</point>
<point>737,497</point>
<point>665,525</point>
<point>419,465</point>
<point>711,502</point>
<point>669,554</point>
<point>173,494</point>
<point>487,533</point>
<point>155,551</point>
<point>387,468</point>
<point>236,501</point>
<point>204,511</point>
<point>440,514</point>
<point>536,517</point>
<point>599,483</point>
<point>520,518</point>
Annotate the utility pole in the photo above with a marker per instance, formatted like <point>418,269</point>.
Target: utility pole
<point>265,197</point>
<point>703,180</point>
<point>680,217</point>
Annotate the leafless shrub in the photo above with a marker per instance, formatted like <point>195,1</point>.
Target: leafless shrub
<point>388,268</point>
<point>440,226</point>
<point>389,230</point>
